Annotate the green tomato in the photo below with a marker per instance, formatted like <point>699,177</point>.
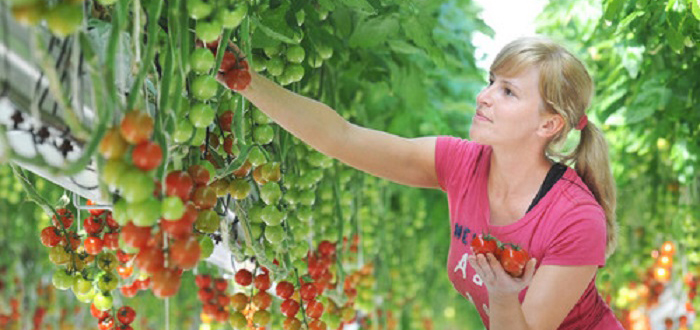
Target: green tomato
<point>206,246</point>
<point>275,66</point>
<point>145,213</point>
<point>260,117</point>
<point>207,221</point>
<point>103,301</point>
<point>256,157</point>
<point>295,72</point>
<point>272,51</point>
<point>255,213</point>
<point>81,286</point>
<point>274,234</point>
<point>107,261</point>
<point>108,281</point>
<point>113,171</point>
<point>263,134</point>
<point>301,16</point>
<point>300,265</point>
<point>314,60</point>
<point>238,320</point>
<point>202,115</point>
<point>271,193</point>
<point>200,134</point>
<point>307,197</point>
<point>64,18</point>
<point>201,60</point>
<point>259,63</point>
<point>207,31</point>
<point>305,213</point>
<point>172,208</point>
<point>272,216</point>
<point>231,19</point>
<point>62,280</point>
<point>295,54</point>
<point>204,87</point>
<point>299,250</point>
<point>136,186</point>
<point>325,51</point>
<point>87,297</point>
<point>183,131</point>
<point>198,9</point>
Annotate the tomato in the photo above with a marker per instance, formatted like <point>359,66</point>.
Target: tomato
<point>259,63</point>
<point>81,285</point>
<point>64,18</point>
<point>668,248</point>
<point>317,325</point>
<point>204,197</point>
<point>295,72</point>
<point>274,234</point>
<point>113,146</point>
<point>125,271</point>
<point>314,60</point>
<point>126,315</point>
<point>202,281</point>
<point>238,320</point>
<point>181,228</point>
<point>93,245</point>
<point>28,14</point>
<point>220,284</point>
<point>326,248</point>
<point>50,236</point>
<point>295,54</point>
<point>237,79</point>
<point>513,260</point>
<point>229,147</point>
<point>205,294</point>
<point>239,301</point>
<point>112,172</point>
<point>111,241</point>
<point>201,60</point>
<point>207,221</point>
<point>284,289</point>
<point>166,283</point>
<point>291,323</point>
<point>244,170</point>
<point>147,155</point>
<point>271,193</point>
<point>262,300</point>
<point>180,184</point>
<point>93,225</point>
<point>223,300</point>
<point>483,244</point>
<point>228,62</point>
<point>62,280</point>
<point>325,51</point>
<point>136,186</point>
<point>308,291</point>
<point>107,282</point>
<point>225,120</point>
<point>136,127</point>
<point>198,9</point>
<point>112,224</point>
<point>172,208</point>
<point>263,134</point>
<point>184,253</point>
<point>207,31</point>
<point>102,301</point>
<point>206,245</point>
<point>204,87</point>
<point>200,175</point>
<point>98,313</point>
<point>232,19</point>
<point>201,115</point>
<point>124,257</point>
<point>106,261</point>
<point>261,318</point>
<point>136,236</point>
<point>125,327</point>
<point>262,282</point>
<point>314,309</point>
<point>221,316</point>
<point>65,216</point>
<point>183,131</point>
<point>150,259</point>
<point>243,277</point>
<point>145,213</point>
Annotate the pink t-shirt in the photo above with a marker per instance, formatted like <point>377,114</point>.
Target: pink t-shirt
<point>566,227</point>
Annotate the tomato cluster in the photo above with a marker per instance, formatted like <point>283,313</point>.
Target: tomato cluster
<point>105,320</point>
<point>511,256</point>
<point>213,293</point>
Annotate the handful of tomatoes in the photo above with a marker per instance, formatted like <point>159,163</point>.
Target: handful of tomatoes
<point>512,257</point>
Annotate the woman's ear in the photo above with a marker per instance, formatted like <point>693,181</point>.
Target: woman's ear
<point>550,125</point>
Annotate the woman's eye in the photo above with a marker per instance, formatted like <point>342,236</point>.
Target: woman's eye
<point>490,82</point>
<point>508,91</point>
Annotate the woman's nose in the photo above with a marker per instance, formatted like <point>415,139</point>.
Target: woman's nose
<point>484,97</point>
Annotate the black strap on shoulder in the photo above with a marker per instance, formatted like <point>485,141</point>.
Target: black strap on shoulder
<point>555,173</point>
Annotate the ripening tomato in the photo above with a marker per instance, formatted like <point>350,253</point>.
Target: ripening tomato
<point>136,127</point>
<point>262,300</point>
<point>113,145</point>
<point>483,244</point>
<point>147,155</point>
<point>125,271</point>
<point>317,325</point>
<point>97,313</point>
<point>226,119</point>
<point>184,253</point>
<point>239,301</point>
<point>291,323</point>
<point>668,248</point>
<point>126,315</point>
<point>238,320</point>
<point>200,175</point>
<point>150,259</point>
<point>166,283</point>
<point>513,260</point>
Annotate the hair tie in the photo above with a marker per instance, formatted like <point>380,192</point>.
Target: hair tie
<point>582,122</point>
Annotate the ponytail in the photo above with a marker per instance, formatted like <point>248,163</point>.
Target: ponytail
<point>592,163</point>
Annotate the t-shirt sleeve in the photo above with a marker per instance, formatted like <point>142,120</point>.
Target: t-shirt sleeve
<point>579,238</point>
<point>455,161</point>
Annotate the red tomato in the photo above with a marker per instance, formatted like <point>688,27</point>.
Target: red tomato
<point>94,212</point>
<point>228,62</point>
<point>199,174</point>
<point>225,119</point>
<point>50,236</point>
<point>166,283</point>
<point>147,155</point>
<point>483,244</point>
<point>291,323</point>
<point>124,257</point>
<point>180,184</point>
<point>93,245</point>
<point>326,248</point>
<point>202,281</point>
<point>111,240</point>
<point>262,282</point>
<point>317,325</point>
<point>150,259</point>
<point>106,323</point>
<point>284,289</point>
<point>513,260</point>
<point>136,236</point>
<point>220,284</point>
<point>314,309</point>
<point>93,225</point>
<point>126,315</point>
<point>308,291</point>
<point>98,314</point>
<point>66,218</point>
<point>205,294</point>
<point>244,277</point>
<point>136,127</point>
<point>125,271</point>
<point>289,307</point>
<point>184,253</point>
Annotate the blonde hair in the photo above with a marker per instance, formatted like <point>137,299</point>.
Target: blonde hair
<point>566,89</point>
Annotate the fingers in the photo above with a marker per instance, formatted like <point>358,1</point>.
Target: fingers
<point>484,267</point>
<point>529,270</point>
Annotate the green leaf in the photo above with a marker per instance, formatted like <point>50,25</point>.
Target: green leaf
<point>359,5</point>
<point>275,24</point>
<point>627,20</point>
<point>374,31</point>
<point>675,39</point>
<point>401,46</point>
<point>670,4</point>
<point>613,8</point>
<point>327,4</point>
<point>696,9</point>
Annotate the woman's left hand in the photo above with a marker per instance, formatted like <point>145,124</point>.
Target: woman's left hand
<point>497,281</point>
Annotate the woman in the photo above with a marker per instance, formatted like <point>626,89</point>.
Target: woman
<point>501,182</point>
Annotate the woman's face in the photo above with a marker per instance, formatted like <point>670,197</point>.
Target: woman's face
<point>508,110</point>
